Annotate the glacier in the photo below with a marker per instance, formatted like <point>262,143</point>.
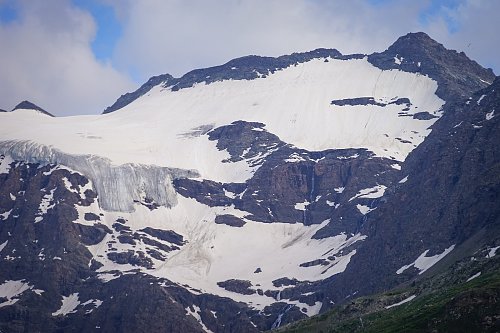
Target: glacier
<point>119,186</point>
<point>134,153</point>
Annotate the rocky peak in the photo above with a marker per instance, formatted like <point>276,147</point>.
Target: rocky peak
<point>27,105</point>
<point>128,98</point>
<point>456,74</point>
<point>417,40</point>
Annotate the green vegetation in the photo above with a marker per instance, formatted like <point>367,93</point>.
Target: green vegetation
<point>443,305</point>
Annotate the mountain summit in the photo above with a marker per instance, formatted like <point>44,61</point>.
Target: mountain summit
<point>456,74</point>
<point>414,52</point>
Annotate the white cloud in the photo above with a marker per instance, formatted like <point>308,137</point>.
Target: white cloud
<point>47,59</point>
<point>175,36</point>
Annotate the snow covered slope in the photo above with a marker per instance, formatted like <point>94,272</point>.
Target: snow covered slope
<point>159,129</point>
<point>134,153</point>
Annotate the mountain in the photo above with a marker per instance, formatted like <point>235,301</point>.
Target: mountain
<point>246,196</point>
<point>26,105</point>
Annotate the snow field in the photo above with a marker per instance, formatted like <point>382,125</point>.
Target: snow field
<point>293,103</point>
<point>217,252</point>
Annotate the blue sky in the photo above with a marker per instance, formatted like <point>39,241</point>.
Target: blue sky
<point>109,29</point>
<point>78,56</point>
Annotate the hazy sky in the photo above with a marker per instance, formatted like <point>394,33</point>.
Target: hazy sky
<point>78,56</point>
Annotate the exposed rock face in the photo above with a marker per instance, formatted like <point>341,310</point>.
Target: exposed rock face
<point>51,257</point>
<point>130,97</point>
<point>456,74</point>
<point>238,286</point>
<point>294,185</point>
<point>449,196</point>
<point>372,101</point>
<point>230,220</point>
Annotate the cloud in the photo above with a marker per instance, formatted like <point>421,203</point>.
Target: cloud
<point>175,36</point>
<point>47,59</point>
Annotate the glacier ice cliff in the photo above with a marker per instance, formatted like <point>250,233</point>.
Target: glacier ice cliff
<point>118,186</point>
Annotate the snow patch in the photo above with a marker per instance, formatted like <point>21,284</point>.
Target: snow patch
<point>293,158</point>
<point>10,289</point>
<point>196,314</point>
<point>229,194</point>
<point>364,209</point>
<point>302,205</point>
<point>423,263</point>
<point>39,292</point>
<point>473,276</point>
<point>46,203</point>
<point>404,180</point>
<point>96,302</point>
<point>406,300</point>
<point>339,189</point>
<point>106,277</point>
<point>480,99</point>
<point>309,310</point>
<point>69,304</point>
<point>370,193</point>
<point>492,252</point>
<point>4,216</point>
<point>68,185</point>
<point>3,245</point>
<point>396,166</point>
<point>483,81</point>
<point>332,204</point>
<point>490,115</point>
<point>348,157</point>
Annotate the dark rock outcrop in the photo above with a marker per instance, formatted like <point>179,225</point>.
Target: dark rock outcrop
<point>30,106</point>
<point>457,75</point>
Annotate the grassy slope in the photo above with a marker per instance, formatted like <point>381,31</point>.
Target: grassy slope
<point>445,303</point>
